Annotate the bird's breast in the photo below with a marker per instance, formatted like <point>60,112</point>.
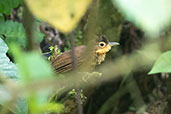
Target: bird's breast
<point>100,58</point>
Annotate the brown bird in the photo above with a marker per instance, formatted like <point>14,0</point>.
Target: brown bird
<point>63,62</point>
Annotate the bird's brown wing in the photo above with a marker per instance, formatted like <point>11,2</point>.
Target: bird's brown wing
<point>63,62</point>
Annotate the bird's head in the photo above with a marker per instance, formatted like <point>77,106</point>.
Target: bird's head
<point>103,45</point>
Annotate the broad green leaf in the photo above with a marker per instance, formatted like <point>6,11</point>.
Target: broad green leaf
<point>163,64</point>
<point>7,5</point>
<point>7,68</point>
<point>14,32</point>
<point>62,14</point>
<point>151,15</point>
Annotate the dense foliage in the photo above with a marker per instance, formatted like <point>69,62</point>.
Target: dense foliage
<point>133,79</point>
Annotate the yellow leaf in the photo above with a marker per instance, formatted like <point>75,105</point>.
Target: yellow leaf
<point>62,14</point>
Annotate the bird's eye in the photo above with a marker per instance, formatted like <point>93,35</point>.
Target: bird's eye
<point>102,44</point>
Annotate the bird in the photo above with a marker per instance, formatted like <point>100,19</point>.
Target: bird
<point>63,62</point>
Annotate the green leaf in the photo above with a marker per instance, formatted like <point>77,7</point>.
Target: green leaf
<point>151,15</point>
<point>7,5</point>
<point>163,64</point>
<point>14,32</point>
<point>8,68</point>
<point>32,66</point>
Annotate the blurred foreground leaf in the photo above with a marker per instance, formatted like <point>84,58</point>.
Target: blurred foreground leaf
<point>62,14</point>
<point>51,107</point>
<point>8,68</point>
<point>163,64</point>
<point>151,15</point>
<point>32,66</point>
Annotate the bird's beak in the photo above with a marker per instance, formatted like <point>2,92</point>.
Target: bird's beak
<point>113,43</point>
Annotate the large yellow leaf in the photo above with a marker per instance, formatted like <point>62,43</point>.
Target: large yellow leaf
<point>62,14</point>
